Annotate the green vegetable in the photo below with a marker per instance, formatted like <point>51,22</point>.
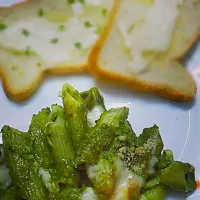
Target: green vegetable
<point>178,176</point>
<point>75,194</point>
<point>60,143</point>
<point>156,193</point>
<point>83,140</point>
<point>100,136</point>
<point>95,105</point>
<point>9,194</point>
<point>166,159</point>
<point>17,141</point>
<point>41,149</point>
<point>26,180</point>
<point>75,111</point>
<point>93,98</point>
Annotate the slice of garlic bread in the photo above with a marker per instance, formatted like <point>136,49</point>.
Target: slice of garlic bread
<point>142,45</point>
<point>60,34</point>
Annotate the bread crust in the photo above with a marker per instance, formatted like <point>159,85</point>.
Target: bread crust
<point>134,83</point>
<point>26,93</point>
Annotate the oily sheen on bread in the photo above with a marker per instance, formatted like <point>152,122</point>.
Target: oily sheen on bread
<point>143,43</point>
<point>38,37</point>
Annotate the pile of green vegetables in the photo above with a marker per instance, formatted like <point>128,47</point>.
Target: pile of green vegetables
<point>82,151</point>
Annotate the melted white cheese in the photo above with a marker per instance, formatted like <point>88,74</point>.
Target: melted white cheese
<point>126,179</point>
<point>94,115</point>
<point>46,178</point>
<point>55,46</point>
<point>151,32</point>
<point>89,194</point>
<point>5,179</point>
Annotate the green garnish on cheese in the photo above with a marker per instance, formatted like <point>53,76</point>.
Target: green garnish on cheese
<point>54,40</point>
<point>61,27</point>
<point>88,24</point>
<point>25,32</point>
<point>40,12</point>
<point>78,45</point>
<point>71,1</point>
<point>3,27</point>
<point>104,11</point>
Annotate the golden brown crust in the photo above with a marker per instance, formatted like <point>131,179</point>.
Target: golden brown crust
<point>15,5</point>
<point>66,70</point>
<point>188,46</point>
<point>20,96</point>
<point>133,83</point>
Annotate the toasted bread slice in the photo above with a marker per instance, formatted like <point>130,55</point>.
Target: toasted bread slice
<point>147,59</point>
<point>58,34</point>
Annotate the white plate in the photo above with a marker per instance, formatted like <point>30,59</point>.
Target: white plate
<point>179,122</point>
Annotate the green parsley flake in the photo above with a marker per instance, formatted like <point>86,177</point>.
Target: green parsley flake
<point>78,45</point>
<point>104,11</point>
<point>14,67</point>
<point>82,1</point>
<point>99,30</point>
<point>61,27</point>
<point>88,24</point>
<point>71,1</point>
<point>3,27</point>
<point>25,32</point>
<point>40,12</point>
<point>54,40</point>
<point>39,64</point>
<point>28,51</point>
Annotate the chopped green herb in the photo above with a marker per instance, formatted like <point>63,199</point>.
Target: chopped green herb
<point>99,30</point>
<point>40,12</point>
<point>39,64</point>
<point>104,11</point>
<point>3,27</point>
<point>54,40</point>
<point>25,32</point>
<point>28,51</point>
<point>14,67</point>
<point>71,1</point>
<point>88,24</point>
<point>78,45</point>
<point>61,27</point>
<point>82,1</point>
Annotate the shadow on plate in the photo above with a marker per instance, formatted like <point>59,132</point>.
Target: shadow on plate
<point>116,90</point>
